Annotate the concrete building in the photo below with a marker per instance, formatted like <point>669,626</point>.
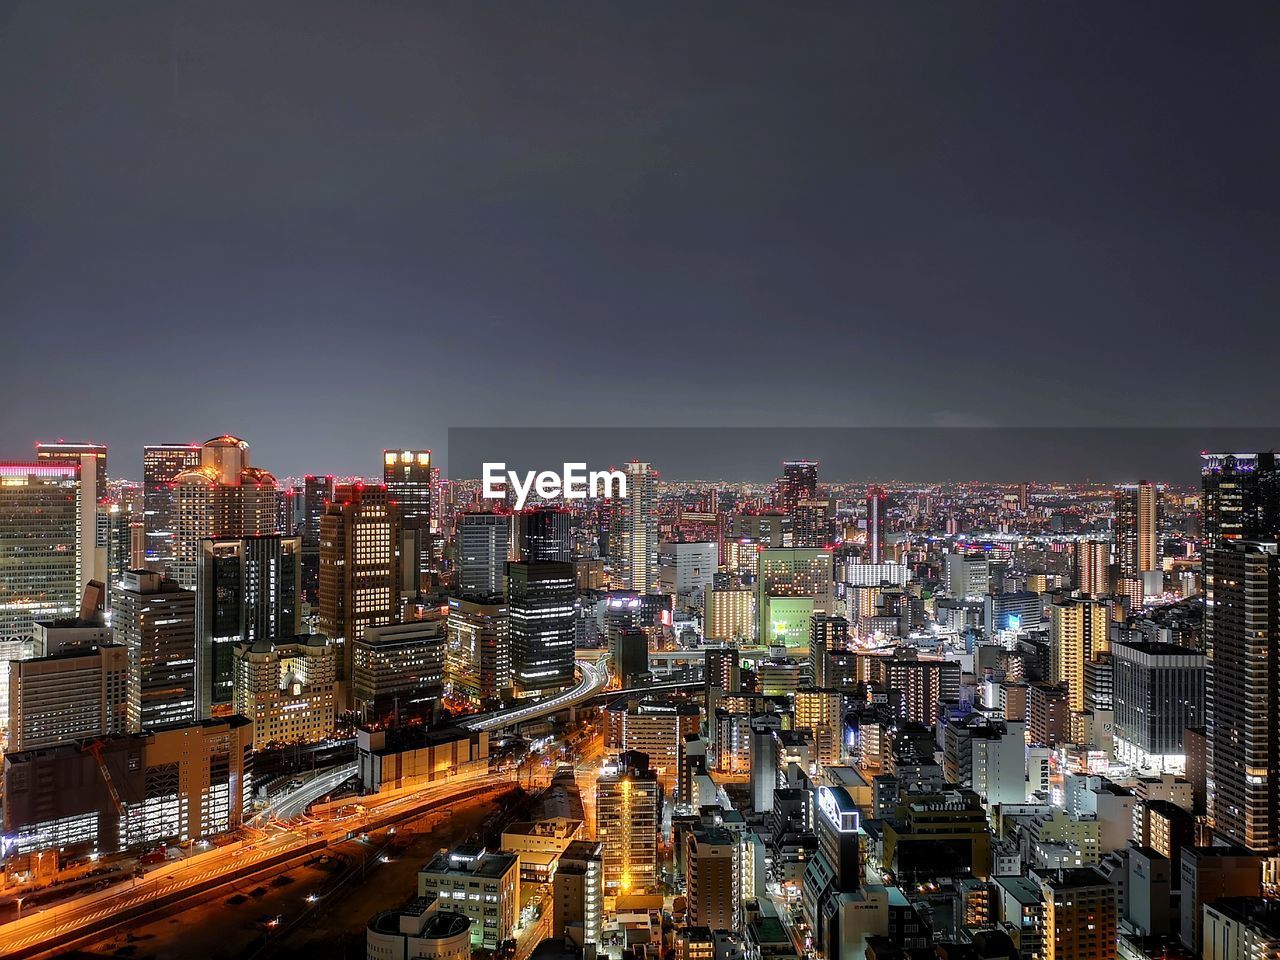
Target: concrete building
<point>484,547</point>
<point>155,620</point>
<point>713,872</point>
<point>577,898</point>
<point>1080,915</point>
<point>172,785</point>
<point>478,656</point>
<point>1241,928</point>
<point>628,817</point>
<point>484,886</point>
<point>655,727</point>
<point>1158,692</point>
<point>427,928</point>
<point>1079,630</point>
<point>686,570</point>
<point>730,616</point>
<point>398,669</point>
<point>988,756</point>
<point>404,756</point>
<point>75,695</point>
<point>287,688</point>
<point>1210,874</point>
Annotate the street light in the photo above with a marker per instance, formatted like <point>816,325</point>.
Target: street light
<point>19,907</point>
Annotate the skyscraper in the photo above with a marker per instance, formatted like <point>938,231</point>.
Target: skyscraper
<point>484,543</point>
<point>1093,561</point>
<point>161,465</point>
<point>408,476</point>
<point>359,566</point>
<point>249,589</point>
<point>544,534</point>
<point>73,695</point>
<point>155,620</point>
<point>540,601</point>
<point>633,532</point>
<point>1079,629</point>
<point>877,503</point>
<point>799,482</point>
<point>62,452</point>
<point>1137,528</point>
<point>223,497</point>
<point>1244,650</point>
<point>316,492</point>
<point>628,817</point>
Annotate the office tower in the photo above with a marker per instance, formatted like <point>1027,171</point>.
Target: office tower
<point>1093,562</point>
<point>79,453</point>
<point>171,785</point>
<point>577,893</point>
<point>73,695</point>
<point>407,475</point>
<point>484,543</point>
<point>713,882</point>
<point>478,660</point>
<point>788,575</point>
<point>223,497</point>
<point>686,570</point>
<point>1158,691</point>
<point>493,881</point>
<point>398,669</point>
<point>811,523</point>
<point>359,566</point>
<point>730,616</point>
<point>1241,498</point>
<point>316,493</point>
<point>161,465</point>
<point>966,576</point>
<point>287,688</point>
<point>628,818</point>
<point>1243,651</point>
<point>629,656</point>
<point>1137,528</point>
<point>826,634</point>
<point>877,504</point>
<point>799,482</point>
<point>833,873</point>
<point>633,532</point>
<point>1080,915</point>
<point>248,589</point>
<point>544,534</point>
<point>541,604</point>
<point>155,620</point>
<point>44,529</point>
<point>1012,611</point>
<point>987,756</point>
<point>1079,629</point>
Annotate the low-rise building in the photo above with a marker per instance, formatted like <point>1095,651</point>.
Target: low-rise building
<point>421,929</point>
<point>484,886</point>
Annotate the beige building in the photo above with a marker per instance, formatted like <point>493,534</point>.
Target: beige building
<point>729,616</point>
<point>628,817</point>
<point>1079,630</point>
<point>74,695</point>
<point>482,885</point>
<point>712,859</point>
<point>577,898</point>
<point>538,845</point>
<point>1079,915</point>
<point>287,689</point>
<point>427,928</point>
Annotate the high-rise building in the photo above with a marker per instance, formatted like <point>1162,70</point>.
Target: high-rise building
<point>79,453</point>
<point>484,545</point>
<point>541,605</point>
<point>966,576</point>
<point>799,482</point>
<point>826,634</point>
<point>633,532</point>
<point>359,566</point>
<point>155,620</point>
<point>833,873</point>
<point>628,819</point>
<point>1137,528</point>
<point>729,616</point>
<point>792,574</point>
<point>544,534</point>
<point>1080,915</point>
<point>223,497</point>
<point>1157,692</point>
<point>288,689</point>
<point>877,504</point>
<point>408,475</point>
<point>248,589</point>
<point>478,660</point>
<point>48,532</point>
<point>1079,629</point>
<point>398,669</point>
<point>811,523</point>
<point>713,878</point>
<point>686,570</point>
<point>988,756</point>
<point>1243,649</point>
<point>577,897</point>
<point>74,695</point>
<point>1093,567</point>
<point>162,463</point>
<point>316,493</point>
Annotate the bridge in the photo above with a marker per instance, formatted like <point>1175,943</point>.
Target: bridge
<point>592,678</point>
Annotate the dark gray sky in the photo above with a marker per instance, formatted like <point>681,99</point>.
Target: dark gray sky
<point>330,227</point>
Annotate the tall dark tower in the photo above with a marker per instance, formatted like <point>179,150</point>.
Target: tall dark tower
<point>407,474</point>
<point>799,482</point>
<point>544,535</point>
<point>877,503</point>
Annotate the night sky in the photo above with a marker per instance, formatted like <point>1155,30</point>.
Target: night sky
<point>334,227</point>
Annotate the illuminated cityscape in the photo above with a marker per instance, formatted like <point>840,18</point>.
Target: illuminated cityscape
<point>601,482</point>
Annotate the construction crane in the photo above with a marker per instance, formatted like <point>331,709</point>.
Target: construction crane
<point>95,747</point>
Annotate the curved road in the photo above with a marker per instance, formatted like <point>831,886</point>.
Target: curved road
<point>594,678</point>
